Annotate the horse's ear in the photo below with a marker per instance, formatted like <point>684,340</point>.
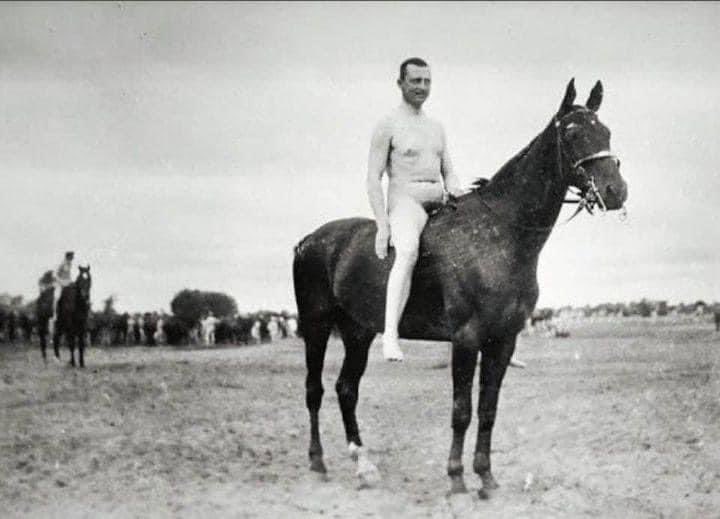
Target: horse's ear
<point>596,95</point>
<point>569,98</point>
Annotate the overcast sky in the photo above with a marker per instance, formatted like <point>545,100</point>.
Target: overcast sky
<point>192,145</point>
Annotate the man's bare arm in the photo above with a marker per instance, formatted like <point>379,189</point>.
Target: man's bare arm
<point>377,162</point>
<point>452,183</point>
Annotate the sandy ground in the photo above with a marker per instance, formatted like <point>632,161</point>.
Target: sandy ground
<point>619,420</point>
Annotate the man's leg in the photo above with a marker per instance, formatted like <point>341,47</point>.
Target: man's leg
<point>407,219</point>
<point>56,300</point>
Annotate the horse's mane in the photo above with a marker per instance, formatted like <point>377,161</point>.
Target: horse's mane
<point>481,182</point>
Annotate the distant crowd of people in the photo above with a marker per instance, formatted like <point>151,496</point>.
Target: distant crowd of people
<point>157,328</point>
<point>19,323</point>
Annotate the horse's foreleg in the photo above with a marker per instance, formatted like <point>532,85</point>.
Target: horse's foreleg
<point>56,342</point>
<point>316,335</point>
<point>492,371</point>
<point>70,338</point>
<point>464,359</point>
<point>81,349</point>
<point>42,335</point>
<point>357,342</point>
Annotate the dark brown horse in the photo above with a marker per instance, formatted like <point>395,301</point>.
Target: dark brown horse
<point>475,282</point>
<point>72,316</point>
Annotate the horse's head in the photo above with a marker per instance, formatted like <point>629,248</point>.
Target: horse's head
<point>83,282</point>
<point>585,146</point>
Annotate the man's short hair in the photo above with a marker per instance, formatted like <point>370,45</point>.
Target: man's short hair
<point>69,254</point>
<point>419,62</point>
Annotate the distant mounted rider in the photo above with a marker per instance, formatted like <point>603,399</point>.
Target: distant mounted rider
<point>63,274</point>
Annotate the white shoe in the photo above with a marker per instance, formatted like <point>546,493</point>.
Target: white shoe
<point>517,363</point>
<point>391,349</point>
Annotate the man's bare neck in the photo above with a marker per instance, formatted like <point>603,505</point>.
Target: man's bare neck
<point>411,109</point>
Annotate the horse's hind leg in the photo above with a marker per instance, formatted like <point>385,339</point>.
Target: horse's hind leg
<point>357,340</point>
<point>316,334</point>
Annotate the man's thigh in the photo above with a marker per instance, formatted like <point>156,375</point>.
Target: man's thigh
<point>407,220</point>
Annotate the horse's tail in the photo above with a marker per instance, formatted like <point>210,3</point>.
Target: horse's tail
<point>297,279</point>
<point>308,280</point>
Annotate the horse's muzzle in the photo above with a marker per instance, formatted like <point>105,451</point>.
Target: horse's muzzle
<point>615,195</point>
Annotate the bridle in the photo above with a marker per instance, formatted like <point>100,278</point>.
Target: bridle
<point>82,285</point>
<point>587,198</point>
<point>590,197</point>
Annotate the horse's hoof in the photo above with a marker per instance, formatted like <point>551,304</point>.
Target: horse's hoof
<point>322,477</point>
<point>457,486</point>
<point>369,477</point>
<point>488,481</point>
<point>317,465</point>
<point>461,505</point>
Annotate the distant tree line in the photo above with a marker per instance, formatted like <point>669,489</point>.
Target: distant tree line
<point>17,319</point>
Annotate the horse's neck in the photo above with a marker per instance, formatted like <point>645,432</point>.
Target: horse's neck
<point>80,303</point>
<point>529,190</point>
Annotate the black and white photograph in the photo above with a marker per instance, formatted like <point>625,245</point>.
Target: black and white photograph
<point>442,260</point>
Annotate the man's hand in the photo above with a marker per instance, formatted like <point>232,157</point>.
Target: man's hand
<point>451,195</point>
<point>456,192</point>
<point>382,237</point>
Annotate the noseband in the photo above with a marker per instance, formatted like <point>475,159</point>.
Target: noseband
<point>590,197</point>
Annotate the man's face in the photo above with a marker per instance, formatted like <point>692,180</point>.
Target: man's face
<point>415,85</point>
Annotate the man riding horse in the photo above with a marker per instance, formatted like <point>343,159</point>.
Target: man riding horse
<point>475,283</point>
<point>63,276</point>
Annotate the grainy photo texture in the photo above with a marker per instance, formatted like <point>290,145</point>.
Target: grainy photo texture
<point>349,260</point>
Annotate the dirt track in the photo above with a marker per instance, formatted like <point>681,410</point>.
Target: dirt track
<point>620,420</point>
